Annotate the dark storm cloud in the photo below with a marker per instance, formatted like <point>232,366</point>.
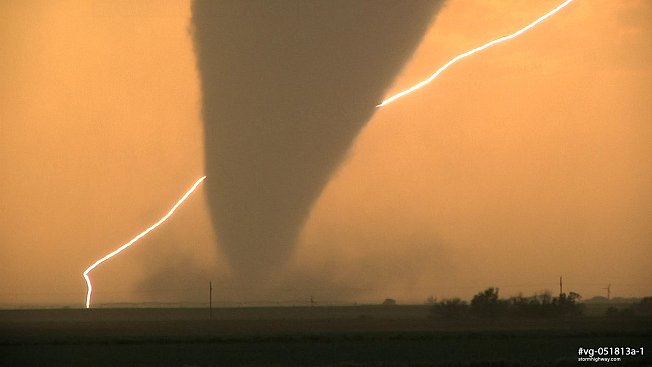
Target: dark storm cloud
<point>287,86</point>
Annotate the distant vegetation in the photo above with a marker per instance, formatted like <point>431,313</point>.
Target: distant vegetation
<point>389,302</point>
<point>642,308</point>
<point>487,304</point>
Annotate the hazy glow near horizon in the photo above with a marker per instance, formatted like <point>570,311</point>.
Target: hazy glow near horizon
<point>432,77</point>
<point>523,163</point>
<point>133,240</point>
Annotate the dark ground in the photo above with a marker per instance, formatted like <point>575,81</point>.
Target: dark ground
<point>305,336</point>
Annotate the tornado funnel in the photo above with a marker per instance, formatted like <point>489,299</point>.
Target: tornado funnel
<point>287,85</point>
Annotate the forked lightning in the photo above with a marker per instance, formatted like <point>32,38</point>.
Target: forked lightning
<point>427,81</point>
<point>133,240</point>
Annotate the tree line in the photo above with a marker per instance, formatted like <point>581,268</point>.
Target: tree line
<point>487,304</point>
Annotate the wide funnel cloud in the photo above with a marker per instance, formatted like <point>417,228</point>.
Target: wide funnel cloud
<point>287,85</point>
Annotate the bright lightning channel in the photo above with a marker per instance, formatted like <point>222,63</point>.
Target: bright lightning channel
<point>471,52</point>
<point>141,235</point>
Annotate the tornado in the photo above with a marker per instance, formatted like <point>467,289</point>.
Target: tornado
<point>286,86</point>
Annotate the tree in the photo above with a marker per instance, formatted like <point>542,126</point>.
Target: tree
<point>568,305</point>
<point>487,304</point>
<point>526,306</point>
<point>389,302</point>
<point>450,308</point>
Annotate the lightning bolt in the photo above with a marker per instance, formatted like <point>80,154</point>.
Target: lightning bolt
<point>457,58</point>
<point>133,240</point>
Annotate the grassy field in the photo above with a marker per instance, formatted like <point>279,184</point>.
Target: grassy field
<point>305,336</point>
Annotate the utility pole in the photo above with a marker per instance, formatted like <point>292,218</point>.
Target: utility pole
<point>608,292</point>
<point>561,287</point>
<point>210,300</point>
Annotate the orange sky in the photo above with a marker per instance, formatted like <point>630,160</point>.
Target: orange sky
<point>528,161</point>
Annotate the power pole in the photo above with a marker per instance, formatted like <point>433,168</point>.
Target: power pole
<point>210,300</point>
<point>608,292</point>
<point>561,287</point>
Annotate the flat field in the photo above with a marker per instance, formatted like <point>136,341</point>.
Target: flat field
<point>307,336</point>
